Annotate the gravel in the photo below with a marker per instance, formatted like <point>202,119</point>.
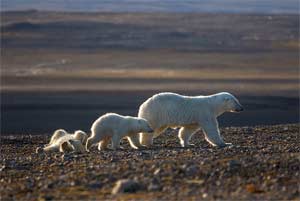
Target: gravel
<point>263,163</point>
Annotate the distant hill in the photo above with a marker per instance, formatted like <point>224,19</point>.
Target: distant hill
<point>215,6</point>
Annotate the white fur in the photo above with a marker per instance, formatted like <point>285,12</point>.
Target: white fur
<point>165,110</point>
<point>114,127</point>
<point>64,142</point>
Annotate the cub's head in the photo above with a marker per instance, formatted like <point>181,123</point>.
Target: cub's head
<point>57,135</point>
<point>72,146</point>
<point>143,126</point>
<point>230,103</point>
<point>80,135</point>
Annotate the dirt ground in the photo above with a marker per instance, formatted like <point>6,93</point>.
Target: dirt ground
<point>263,164</point>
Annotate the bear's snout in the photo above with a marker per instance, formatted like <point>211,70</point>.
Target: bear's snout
<point>239,108</point>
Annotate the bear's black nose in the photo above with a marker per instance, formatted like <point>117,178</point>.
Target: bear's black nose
<point>240,109</point>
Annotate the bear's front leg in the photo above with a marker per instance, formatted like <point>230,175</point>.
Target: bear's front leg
<point>134,141</point>
<point>146,139</point>
<point>115,142</point>
<point>212,134</point>
<point>103,144</point>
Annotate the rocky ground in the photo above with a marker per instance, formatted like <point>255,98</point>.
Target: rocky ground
<point>262,164</point>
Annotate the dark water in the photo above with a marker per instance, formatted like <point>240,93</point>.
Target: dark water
<point>37,113</point>
<point>215,6</point>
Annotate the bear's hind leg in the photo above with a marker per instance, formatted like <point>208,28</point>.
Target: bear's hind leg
<point>185,134</point>
<point>51,148</point>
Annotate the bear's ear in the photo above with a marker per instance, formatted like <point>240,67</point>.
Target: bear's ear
<point>227,99</point>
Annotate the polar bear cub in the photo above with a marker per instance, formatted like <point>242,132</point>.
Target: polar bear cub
<point>64,142</point>
<point>114,127</point>
<point>165,110</point>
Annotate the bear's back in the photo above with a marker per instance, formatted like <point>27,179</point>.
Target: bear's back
<point>107,121</point>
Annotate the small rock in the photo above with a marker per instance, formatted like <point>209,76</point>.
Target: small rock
<point>251,188</point>
<point>249,130</point>
<point>146,155</point>
<point>113,159</point>
<point>45,198</point>
<point>285,128</point>
<point>126,186</point>
<point>195,181</point>
<point>154,187</point>
<point>157,171</point>
<point>233,164</point>
<point>66,157</point>
<point>191,170</point>
<point>174,152</point>
<point>95,185</point>
<point>39,150</point>
<point>2,168</point>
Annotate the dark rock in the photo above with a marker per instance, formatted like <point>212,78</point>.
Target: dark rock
<point>154,187</point>
<point>190,170</point>
<point>126,186</point>
<point>233,165</point>
<point>95,185</point>
<point>3,167</point>
<point>39,150</point>
<point>157,171</point>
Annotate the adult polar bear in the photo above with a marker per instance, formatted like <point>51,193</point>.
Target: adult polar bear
<point>165,110</point>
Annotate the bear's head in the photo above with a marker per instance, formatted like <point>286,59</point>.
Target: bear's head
<point>230,103</point>
<point>80,135</point>
<point>72,146</point>
<point>57,134</point>
<point>143,126</point>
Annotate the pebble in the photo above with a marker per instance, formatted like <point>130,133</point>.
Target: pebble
<point>157,171</point>
<point>191,170</point>
<point>2,168</point>
<point>249,130</point>
<point>66,157</point>
<point>233,165</point>
<point>39,150</point>
<point>154,187</point>
<point>95,185</point>
<point>146,155</point>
